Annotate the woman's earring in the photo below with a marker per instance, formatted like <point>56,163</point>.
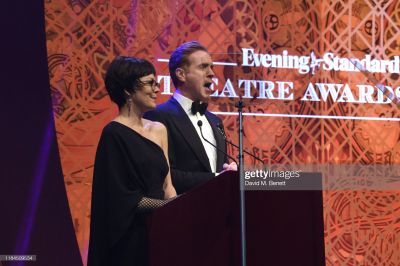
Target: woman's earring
<point>129,106</point>
<point>129,102</point>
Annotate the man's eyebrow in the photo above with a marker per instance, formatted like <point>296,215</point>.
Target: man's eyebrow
<point>206,64</point>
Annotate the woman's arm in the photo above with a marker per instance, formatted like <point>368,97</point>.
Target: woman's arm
<point>169,190</point>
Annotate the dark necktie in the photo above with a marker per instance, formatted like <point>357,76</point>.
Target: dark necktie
<point>201,108</point>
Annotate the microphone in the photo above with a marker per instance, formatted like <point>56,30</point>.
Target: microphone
<point>221,130</point>
<point>200,124</point>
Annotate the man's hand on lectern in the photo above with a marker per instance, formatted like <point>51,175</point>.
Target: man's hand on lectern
<point>229,167</point>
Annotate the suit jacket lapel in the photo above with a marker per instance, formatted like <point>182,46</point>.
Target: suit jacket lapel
<point>189,133</point>
<point>220,142</point>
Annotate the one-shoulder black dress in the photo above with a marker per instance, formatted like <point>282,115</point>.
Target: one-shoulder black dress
<point>128,167</point>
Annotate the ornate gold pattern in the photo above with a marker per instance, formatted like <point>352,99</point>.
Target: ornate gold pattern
<point>361,227</point>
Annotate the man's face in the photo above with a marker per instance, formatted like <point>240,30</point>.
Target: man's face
<point>197,77</point>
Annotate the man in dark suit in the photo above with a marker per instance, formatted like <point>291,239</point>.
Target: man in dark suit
<point>192,159</point>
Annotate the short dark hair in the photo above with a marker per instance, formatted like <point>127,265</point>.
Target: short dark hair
<point>123,74</point>
<point>180,56</point>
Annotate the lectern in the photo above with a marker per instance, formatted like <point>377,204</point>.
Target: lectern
<point>202,227</point>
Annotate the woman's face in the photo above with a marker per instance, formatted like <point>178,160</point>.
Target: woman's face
<point>145,94</point>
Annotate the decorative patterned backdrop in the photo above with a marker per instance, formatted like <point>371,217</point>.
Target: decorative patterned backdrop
<point>361,227</point>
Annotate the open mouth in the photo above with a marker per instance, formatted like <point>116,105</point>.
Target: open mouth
<point>208,85</point>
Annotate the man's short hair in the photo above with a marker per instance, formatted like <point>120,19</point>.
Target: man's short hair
<point>179,58</point>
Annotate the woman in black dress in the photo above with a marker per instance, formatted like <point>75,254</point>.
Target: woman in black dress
<point>131,171</point>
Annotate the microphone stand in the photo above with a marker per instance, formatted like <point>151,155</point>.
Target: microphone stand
<point>220,127</point>
<point>240,106</point>
<point>200,124</point>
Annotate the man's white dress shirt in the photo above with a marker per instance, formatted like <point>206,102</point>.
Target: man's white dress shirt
<point>186,104</point>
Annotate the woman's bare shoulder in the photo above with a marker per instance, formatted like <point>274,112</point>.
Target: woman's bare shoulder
<point>156,127</point>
